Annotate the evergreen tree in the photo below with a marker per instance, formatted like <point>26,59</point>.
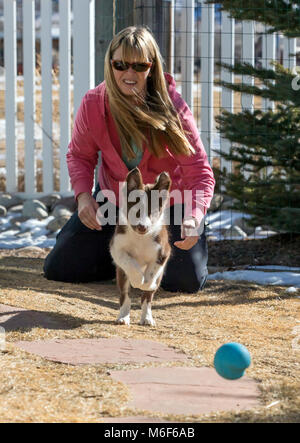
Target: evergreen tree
<point>265,144</point>
<point>281,15</point>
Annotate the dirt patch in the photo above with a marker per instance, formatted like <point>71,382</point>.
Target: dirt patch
<point>264,319</point>
<point>282,250</point>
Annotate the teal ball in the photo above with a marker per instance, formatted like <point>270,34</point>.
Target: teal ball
<point>231,360</point>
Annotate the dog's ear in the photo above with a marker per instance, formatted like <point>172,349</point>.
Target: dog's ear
<point>134,180</point>
<point>163,182</point>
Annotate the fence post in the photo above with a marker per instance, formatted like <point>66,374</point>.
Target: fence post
<point>156,15</point>
<point>10,54</point>
<point>103,35</point>
<point>105,26</point>
<point>268,55</point>
<point>289,52</point>
<point>248,57</point>
<point>207,75</point>
<point>29,94</point>
<point>46,61</point>
<point>64,91</point>
<point>84,48</point>
<point>124,14</point>
<point>227,96</point>
<point>187,51</point>
<point>171,49</point>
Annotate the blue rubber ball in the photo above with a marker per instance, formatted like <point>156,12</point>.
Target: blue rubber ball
<point>231,360</point>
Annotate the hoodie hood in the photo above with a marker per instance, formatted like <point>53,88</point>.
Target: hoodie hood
<point>170,83</point>
<point>174,95</point>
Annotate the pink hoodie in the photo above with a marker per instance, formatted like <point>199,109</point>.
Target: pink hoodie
<point>94,130</point>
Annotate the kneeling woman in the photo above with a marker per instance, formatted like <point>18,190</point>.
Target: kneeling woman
<point>135,118</point>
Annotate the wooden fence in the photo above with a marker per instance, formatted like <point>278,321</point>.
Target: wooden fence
<point>76,75</point>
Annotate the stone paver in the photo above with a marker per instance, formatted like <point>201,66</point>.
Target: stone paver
<point>101,350</point>
<point>167,390</point>
<point>185,390</point>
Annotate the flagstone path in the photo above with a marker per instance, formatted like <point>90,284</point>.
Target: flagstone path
<point>101,350</point>
<point>167,390</point>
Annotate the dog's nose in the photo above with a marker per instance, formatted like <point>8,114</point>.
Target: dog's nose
<point>141,228</point>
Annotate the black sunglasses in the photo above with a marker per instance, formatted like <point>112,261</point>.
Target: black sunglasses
<point>118,65</point>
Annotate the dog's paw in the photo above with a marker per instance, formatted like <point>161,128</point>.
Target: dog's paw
<point>150,282</point>
<point>136,279</point>
<point>152,278</point>
<point>123,320</point>
<point>147,321</point>
<point>149,286</point>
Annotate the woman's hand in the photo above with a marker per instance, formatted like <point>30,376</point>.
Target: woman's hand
<point>188,231</point>
<point>87,209</point>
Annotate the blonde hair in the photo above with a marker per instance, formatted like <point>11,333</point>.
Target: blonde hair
<point>156,115</point>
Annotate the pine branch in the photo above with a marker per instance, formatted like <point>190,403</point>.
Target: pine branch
<point>276,85</point>
<point>281,15</point>
<point>271,131</point>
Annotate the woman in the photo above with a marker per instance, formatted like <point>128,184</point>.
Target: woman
<point>135,118</point>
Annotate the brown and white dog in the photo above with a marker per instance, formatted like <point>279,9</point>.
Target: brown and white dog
<point>140,245</point>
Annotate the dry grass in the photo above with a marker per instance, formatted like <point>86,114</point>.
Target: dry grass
<point>36,390</point>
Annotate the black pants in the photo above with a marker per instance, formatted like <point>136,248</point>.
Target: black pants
<point>82,255</point>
